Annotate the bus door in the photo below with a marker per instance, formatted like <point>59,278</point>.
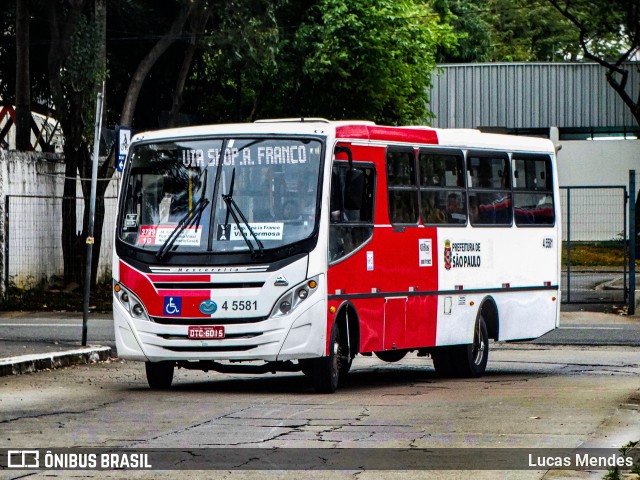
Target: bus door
<point>395,315</point>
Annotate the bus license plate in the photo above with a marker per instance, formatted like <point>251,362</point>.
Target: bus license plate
<point>211,333</point>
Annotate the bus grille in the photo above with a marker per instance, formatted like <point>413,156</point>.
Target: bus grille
<point>206,321</point>
<point>228,336</point>
<point>198,348</point>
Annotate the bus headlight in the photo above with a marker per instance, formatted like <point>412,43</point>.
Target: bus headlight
<point>130,302</point>
<point>294,297</point>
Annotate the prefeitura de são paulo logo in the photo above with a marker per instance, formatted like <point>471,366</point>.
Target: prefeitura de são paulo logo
<point>447,254</point>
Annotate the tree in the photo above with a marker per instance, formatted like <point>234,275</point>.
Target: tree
<point>371,59</point>
<point>509,30</point>
<point>73,74</point>
<point>23,88</point>
<point>609,34</point>
<point>76,68</point>
<point>238,58</point>
<point>149,60</point>
<point>332,58</point>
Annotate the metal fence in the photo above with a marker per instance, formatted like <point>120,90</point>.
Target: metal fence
<point>595,257</point>
<point>594,248</point>
<point>33,240</point>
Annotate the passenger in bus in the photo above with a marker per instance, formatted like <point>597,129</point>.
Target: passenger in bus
<point>291,211</point>
<point>432,213</point>
<point>485,176</point>
<point>455,214</point>
<point>474,211</point>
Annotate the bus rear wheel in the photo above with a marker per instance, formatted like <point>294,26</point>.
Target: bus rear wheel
<point>464,361</point>
<point>159,374</point>
<point>328,371</point>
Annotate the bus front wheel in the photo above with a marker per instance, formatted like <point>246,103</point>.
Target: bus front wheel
<point>464,361</point>
<point>159,374</point>
<point>327,370</point>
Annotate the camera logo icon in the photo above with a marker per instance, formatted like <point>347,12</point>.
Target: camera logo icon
<point>23,459</point>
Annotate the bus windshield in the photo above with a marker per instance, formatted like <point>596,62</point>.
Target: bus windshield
<point>177,194</point>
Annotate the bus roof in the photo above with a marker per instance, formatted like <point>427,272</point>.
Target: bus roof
<point>360,130</point>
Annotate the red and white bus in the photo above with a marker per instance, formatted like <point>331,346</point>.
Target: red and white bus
<point>294,245</point>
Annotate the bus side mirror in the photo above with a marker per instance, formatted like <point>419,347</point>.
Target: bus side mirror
<point>353,189</point>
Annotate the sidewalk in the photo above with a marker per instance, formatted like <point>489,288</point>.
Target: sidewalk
<point>29,343</point>
<point>37,347</point>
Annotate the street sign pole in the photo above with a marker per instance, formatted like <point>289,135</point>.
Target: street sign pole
<point>92,212</point>
<point>632,242</point>
<point>124,140</point>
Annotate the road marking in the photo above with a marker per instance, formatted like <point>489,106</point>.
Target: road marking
<point>40,324</point>
<point>592,328</point>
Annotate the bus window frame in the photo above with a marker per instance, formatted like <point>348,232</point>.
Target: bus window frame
<point>549,163</point>
<point>464,189</point>
<point>490,154</point>
<point>414,187</point>
<point>372,223</point>
<point>134,253</point>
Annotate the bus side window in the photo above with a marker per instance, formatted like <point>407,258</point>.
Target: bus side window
<point>352,201</point>
<point>443,198</point>
<point>490,188</point>
<point>533,190</point>
<point>402,187</point>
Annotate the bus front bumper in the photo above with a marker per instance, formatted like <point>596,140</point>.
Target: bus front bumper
<point>301,334</point>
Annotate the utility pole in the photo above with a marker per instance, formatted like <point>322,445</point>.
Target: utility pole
<point>92,213</point>
<point>23,83</point>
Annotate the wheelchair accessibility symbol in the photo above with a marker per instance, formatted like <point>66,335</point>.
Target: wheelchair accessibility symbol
<point>172,306</point>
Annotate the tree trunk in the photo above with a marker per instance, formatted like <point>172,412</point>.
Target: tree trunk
<point>86,170</point>
<point>198,25</point>
<point>176,104</point>
<point>70,115</point>
<point>23,85</point>
<point>147,63</point>
<point>72,244</point>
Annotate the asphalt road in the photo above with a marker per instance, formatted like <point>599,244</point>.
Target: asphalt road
<point>67,329</point>
<point>593,287</point>
<point>532,396</point>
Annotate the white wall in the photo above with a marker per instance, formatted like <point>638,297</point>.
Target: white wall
<point>35,225</point>
<point>596,214</point>
<point>597,162</point>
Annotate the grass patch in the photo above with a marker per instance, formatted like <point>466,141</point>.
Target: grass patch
<point>57,300</point>
<point>602,254</point>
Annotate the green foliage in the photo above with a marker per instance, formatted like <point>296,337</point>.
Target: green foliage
<point>82,71</point>
<point>595,254</point>
<point>609,29</point>
<point>510,30</point>
<point>471,24</point>
<point>327,58</point>
<point>372,59</point>
<point>614,473</point>
<point>82,68</point>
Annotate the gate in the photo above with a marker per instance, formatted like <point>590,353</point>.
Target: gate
<point>595,257</point>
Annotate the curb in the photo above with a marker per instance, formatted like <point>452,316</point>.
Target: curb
<point>49,361</point>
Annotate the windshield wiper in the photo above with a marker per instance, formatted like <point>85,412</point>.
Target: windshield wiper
<point>194,213</point>
<point>187,220</point>
<point>233,208</point>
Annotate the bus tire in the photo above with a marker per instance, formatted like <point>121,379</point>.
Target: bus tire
<point>473,361</point>
<point>326,372</point>
<point>306,366</point>
<point>464,361</point>
<point>443,361</point>
<point>159,374</point>
<point>345,366</point>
